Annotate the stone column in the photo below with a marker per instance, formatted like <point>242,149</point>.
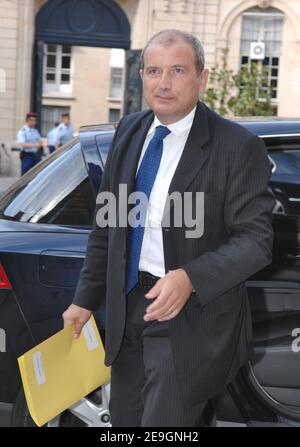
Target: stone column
<point>8,62</point>
<point>25,44</point>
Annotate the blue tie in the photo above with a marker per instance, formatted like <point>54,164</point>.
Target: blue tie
<point>143,183</point>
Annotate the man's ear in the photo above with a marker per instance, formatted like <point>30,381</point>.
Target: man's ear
<point>141,73</point>
<point>204,80</point>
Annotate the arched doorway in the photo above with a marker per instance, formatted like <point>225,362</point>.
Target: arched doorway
<point>91,23</point>
<point>98,23</point>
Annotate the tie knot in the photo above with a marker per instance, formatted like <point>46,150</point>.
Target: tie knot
<point>161,132</point>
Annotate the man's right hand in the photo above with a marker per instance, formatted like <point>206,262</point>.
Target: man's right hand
<point>76,316</point>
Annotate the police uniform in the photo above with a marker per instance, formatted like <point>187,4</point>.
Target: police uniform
<point>51,139</point>
<point>64,133</point>
<point>30,156</point>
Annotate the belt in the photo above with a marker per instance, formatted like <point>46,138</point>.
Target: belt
<point>31,153</point>
<point>147,280</point>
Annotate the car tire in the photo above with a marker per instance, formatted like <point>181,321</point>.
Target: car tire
<point>21,416</point>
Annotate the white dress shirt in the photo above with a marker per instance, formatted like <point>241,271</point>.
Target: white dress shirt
<point>152,253</point>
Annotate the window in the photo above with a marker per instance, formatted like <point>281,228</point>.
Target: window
<point>117,60</point>
<point>114,115</point>
<point>57,69</point>
<point>116,82</point>
<point>56,191</point>
<point>49,116</point>
<point>286,161</point>
<point>263,26</point>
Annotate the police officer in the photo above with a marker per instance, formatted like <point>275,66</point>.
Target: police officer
<point>51,138</point>
<point>31,143</point>
<point>64,131</point>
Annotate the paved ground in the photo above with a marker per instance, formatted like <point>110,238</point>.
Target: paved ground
<point>6,182</point>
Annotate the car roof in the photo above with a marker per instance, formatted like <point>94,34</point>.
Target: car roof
<point>267,127</point>
<point>271,127</point>
<point>106,127</point>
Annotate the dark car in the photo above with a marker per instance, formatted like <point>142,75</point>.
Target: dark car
<point>283,140</point>
<point>45,220</point>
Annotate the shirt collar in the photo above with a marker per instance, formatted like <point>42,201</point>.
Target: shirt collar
<point>178,128</point>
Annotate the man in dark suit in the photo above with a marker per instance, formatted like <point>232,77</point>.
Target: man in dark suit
<point>178,323</point>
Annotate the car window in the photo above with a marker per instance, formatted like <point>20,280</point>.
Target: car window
<point>286,161</point>
<point>57,191</point>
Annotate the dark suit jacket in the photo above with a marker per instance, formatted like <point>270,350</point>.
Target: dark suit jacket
<point>211,335</point>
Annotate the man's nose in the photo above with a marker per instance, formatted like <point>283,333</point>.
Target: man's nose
<point>165,81</point>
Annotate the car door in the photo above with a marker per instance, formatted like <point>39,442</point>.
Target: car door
<point>285,180</point>
<point>268,388</point>
<point>274,295</point>
<point>45,221</point>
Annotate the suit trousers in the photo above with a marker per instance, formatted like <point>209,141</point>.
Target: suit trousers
<point>144,388</point>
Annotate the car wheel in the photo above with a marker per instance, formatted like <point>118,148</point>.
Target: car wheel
<point>20,415</point>
<point>91,411</point>
<point>281,206</point>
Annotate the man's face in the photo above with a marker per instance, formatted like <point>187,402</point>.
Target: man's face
<point>171,82</point>
<point>66,120</point>
<point>31,122</point>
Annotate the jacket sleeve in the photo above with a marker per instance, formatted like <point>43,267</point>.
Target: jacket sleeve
<point>91,287</point>
<point>248,219</point>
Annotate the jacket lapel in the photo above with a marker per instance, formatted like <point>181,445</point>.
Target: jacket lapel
<point>192,159</point>
<point>194,153</point>
<point>133,140</point>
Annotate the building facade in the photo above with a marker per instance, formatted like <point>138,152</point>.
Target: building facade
<point>89,81</point>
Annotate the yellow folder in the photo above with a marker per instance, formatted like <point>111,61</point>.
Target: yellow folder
<point>61,370</point>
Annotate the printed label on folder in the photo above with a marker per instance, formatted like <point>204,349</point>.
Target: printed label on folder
<point>90,336</point>
<point>38,368</point>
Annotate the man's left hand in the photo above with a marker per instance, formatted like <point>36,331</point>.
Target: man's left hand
<point>171,292</point>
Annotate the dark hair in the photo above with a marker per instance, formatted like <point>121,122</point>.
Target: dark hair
<point>65,115</point>
<point>31,115</point>
<point>168,37</point>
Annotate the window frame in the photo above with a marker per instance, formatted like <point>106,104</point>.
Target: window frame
<point>113,78</point>
<point>58,87</point>
<point>269,58</point>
